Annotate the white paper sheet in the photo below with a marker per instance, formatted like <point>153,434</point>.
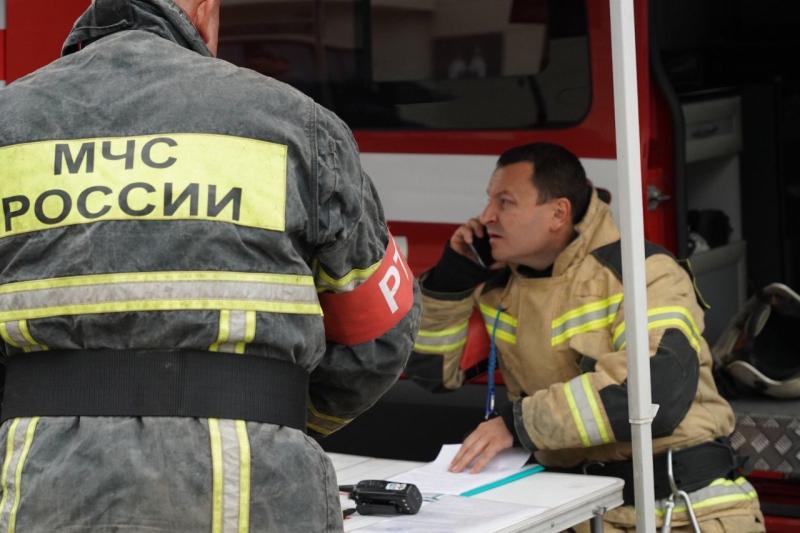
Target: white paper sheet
<point>434,478</point>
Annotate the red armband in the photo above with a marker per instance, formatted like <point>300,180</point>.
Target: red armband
<point>375,306</point>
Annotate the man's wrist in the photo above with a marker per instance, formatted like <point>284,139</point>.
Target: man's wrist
<point>507,414</point>
<point>454,273</point>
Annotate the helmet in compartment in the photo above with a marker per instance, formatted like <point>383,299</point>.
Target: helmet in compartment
<point>759,351</point>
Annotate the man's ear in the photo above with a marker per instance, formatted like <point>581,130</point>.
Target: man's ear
<point>207,22</point>
<point>562,213</point>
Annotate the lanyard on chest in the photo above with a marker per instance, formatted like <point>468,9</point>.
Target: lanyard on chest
<point>489,410</point>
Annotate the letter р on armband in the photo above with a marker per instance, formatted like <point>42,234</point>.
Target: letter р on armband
<point>375,306</point>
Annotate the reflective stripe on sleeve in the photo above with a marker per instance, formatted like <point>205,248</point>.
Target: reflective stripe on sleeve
<point>595,315</point>
<point>506,324</point>
<point>443,340</point>
<point>662,318</point>
<point>17,334</point>
<point>324,424</point>
<point>586,413</point>
<point>348,282</point>
<point>18,444</point>
<point>718,492</point>
<point>158,291</point>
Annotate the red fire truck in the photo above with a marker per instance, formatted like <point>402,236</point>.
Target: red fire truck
<point>435,89</point>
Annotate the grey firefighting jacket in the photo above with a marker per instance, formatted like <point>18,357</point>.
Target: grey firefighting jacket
<point>561,341</point>
<point>155,197</point>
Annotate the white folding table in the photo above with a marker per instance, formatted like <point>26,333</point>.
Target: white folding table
<point>568,499</point>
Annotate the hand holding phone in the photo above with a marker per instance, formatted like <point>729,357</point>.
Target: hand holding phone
<point>482,249</point>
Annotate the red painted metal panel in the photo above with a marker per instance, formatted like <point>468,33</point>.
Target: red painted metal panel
<point>2,55</point>
<point>35,32</point>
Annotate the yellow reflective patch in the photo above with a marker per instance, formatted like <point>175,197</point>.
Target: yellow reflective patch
<point>598,416</point>
<point>216,480</point>
<point>444,332</point>
<point>330,418</point>
<point>12,519</point>
<point>180,176</point>
<point>439,348</point>
<point>244,476</point>
<point>588,308</point>
<point>504,336</point>
<point>576,416</point>
<point>7,338</point>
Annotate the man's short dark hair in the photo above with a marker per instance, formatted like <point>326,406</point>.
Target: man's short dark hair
<point>557,173</point>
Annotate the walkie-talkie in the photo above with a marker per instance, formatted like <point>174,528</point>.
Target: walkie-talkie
<point>375,496</point>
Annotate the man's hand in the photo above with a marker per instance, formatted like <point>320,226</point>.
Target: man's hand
<point>463,236</point>
<point>488,439</point>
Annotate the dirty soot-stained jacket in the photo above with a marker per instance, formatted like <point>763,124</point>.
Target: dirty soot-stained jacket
<point>155,197</point>
<point>561,342</point>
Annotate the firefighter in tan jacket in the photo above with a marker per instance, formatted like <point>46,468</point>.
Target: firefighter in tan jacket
<point>553,305</point>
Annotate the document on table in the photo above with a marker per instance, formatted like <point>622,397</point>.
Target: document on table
<point>449,514</point>
<point>435,478</point>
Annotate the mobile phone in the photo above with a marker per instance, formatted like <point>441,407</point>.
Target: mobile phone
<point>482,249</point>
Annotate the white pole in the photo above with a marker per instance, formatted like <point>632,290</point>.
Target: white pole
<point>626,113</point>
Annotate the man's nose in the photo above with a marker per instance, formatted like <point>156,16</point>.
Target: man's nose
<point>489,214</point>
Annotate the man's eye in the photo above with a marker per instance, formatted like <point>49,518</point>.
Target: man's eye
<point>505,202</point>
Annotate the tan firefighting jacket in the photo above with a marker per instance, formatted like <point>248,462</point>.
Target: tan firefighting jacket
<point>561,342</point>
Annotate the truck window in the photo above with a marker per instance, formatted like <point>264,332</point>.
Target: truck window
<point>422,64</point>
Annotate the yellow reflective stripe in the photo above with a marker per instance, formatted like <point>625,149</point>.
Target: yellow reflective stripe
<point>26,333</point>
<point>583,328</point>
<point>491,312</point>
<point>663,324</point>
<point>663,317</point>
<point>166,176</point>
<point>141,277</point>
<point>719,491</point>
<point>165,305</point>
<point>12,521</point>
<point>598,416</point>
<point>442,341</point>
<point>224,327</point>
<point>680,310</point>
<point>321,423</point>
<point>444,332</point>
<point>319,429</point>
<point>588,308</point>
<point>576,416</point>
<point>439,348</point>
<point>108,293</point>
<point>244,476</point>
<point>347,282</point>
<point>250,332</point>
<point>588,317</point>
<point>12,429</point>
<point>216,468</point>
<point>330,418</point>
<point>6,337</point>
<point>506,329</point>
<point>501,334</point>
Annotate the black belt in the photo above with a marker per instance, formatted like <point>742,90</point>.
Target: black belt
<point>693,468</point>
<point>185,383</point>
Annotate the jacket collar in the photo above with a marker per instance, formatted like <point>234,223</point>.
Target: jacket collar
<point>596,229</point>
<point>162,17</point>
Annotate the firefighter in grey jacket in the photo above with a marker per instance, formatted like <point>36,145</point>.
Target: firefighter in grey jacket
<point>173,229</point>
